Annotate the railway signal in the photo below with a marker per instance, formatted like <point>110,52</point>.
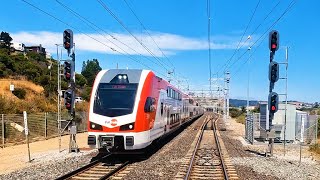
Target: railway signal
<point>68,70</point>
<point>273,102</point>
<point>68,39</point>
<point>274,41</point>
<point>69,100</point>
<point>273,72</point>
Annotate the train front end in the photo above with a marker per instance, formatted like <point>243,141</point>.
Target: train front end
<point>116,120</point>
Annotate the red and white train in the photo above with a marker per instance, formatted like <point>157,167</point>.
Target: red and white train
<point>131,108</point>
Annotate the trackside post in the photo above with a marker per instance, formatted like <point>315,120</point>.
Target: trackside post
<point>26,132</point>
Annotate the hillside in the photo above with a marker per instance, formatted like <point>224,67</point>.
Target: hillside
<point>239,103</point>
<point>35,80</point>
<point>33,101</point>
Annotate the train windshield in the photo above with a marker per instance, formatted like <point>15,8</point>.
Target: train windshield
<point>115,99</point>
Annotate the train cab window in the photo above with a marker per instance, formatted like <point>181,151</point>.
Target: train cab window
<point>150,104</point>
<point>114,99</point>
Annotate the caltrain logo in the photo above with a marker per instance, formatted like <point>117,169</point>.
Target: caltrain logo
<point>114,122</point>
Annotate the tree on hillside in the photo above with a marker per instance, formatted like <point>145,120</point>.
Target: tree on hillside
<point>90,69</point>
<point>5,40</point>
<point>80,80</point>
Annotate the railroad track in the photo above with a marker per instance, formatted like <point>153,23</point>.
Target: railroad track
<point>207,157</point>
<point>98,169</point>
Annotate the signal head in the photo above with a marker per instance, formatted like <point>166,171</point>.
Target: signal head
<point>274,41</point>
<point>273,72</point>
<point>68,39</point>
<point>273,102</point>
<point>68,70</point>
<point>69,99</point>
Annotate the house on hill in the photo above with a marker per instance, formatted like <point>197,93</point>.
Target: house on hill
<point>36,49</point>
<point>16,47</point>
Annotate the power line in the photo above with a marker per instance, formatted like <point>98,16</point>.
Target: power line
<point>146,30</point>
<point>292,3</point>
<point>52,16</point>
<point>128,30</point>
<point>131,9</point>
<point>96,28</point>
<point>244,32</point>
<point>255,31</point>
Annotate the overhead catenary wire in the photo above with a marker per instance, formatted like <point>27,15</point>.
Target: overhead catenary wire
<point>244,32</point>
<point>67,24</point>
<point>97,28</point>
<point>292,3</point>
<point>253,33</point>
<point>129,31</point>
<point>147,31</point>
<point>143,26</point>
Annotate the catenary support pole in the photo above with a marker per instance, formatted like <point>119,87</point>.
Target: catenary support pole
<point>286,102</point>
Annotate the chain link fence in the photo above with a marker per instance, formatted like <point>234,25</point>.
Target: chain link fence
<point>249,130</point>
<point>41,126</point>
<point>305,131</point>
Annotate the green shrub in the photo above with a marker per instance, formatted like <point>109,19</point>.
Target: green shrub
<point>20,93</point>
<point>86,93</point>
<point>234,112</point>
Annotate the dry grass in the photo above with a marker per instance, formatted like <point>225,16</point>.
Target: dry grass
<point>30,87</point>
<point>34,100</point>
<point>315,148</point>
<point>83,106</point>
<point>241,119</point>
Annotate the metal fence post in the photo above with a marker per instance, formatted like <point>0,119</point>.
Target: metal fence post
<point>2,130</point>
<point>252,139</point>
<point>317,129</point>
<point>45,125</point>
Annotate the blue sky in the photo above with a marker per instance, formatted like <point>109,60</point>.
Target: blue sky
<point>180,30</point>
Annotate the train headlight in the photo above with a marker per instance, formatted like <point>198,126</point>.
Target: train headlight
<point>124,77</point>
<point>127,127</point>
<point>95,126</point>
<point>119,77</point>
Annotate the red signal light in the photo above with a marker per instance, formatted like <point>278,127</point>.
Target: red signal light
<point>273,46</point>
<point>67,45</point>
<point>273,108</point>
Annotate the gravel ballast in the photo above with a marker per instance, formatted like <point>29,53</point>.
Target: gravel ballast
<point>165,163</point>
<point>251,164</point>
<point>161,165</point>
<point>52,166</point>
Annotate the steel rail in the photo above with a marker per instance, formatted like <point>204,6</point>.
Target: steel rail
<point>111,173</point>
<point>225,173</point>
<point>84,168</point>
<point>195,151</point>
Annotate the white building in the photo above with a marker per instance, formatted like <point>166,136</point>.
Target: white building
<point>17,46</point>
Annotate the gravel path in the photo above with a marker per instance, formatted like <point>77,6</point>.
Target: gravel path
<point>250,164</point>
<point>165,163</point>
<point>51,167</point>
